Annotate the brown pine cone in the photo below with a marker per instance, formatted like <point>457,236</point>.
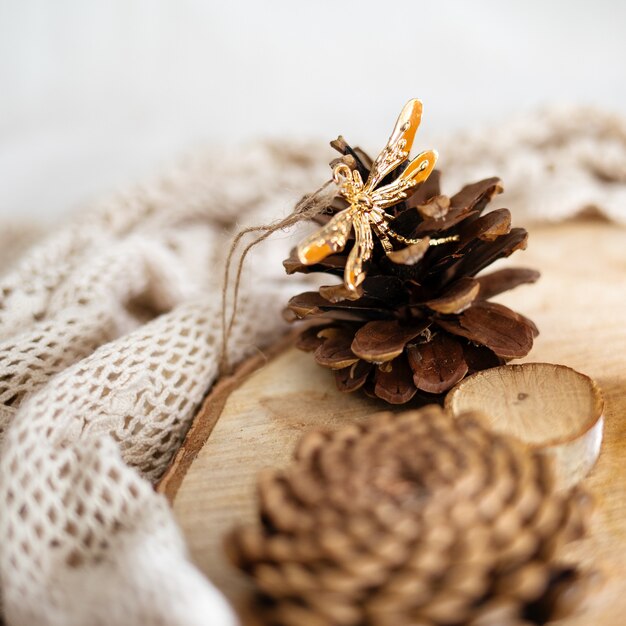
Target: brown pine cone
<point>412,519</point>
<point>421,320</point>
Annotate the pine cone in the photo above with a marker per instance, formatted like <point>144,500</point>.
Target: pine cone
<point>412,519</point>
<point>421,320</point>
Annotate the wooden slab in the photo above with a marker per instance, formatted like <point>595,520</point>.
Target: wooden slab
<point>580,307</point>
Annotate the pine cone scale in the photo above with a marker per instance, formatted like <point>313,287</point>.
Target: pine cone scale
<point>457,297</point>
<point>497,282</point>
<point>354,377</point>
<point>494,326</point>
<point>395,384</point>
<point>486,252</point>
<point>336,352</point>
<point>467,203</point>
<point>437,365</point>
<point>476,196</point>
<point>384,340</point>
<point>485,227</point>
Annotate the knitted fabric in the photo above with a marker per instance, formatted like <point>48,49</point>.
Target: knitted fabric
<point>555,163</point>
<point>109,339</point>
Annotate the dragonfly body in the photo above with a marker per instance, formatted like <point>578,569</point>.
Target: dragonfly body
<point>367,201</point>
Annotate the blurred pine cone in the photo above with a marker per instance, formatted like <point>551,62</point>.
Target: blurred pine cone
<point>421,320</point>
<point>412,519</point>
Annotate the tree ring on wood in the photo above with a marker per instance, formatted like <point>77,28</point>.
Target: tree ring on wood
<point>551,408</point>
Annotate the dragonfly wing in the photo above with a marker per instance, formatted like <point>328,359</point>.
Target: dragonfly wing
<point>399,145</point>
<point>360,253</point>
<point>417,171</point>
<point>328,240</point>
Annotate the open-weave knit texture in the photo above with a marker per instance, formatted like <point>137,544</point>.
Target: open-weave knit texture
<point>15,239</point>
<point>555,162</point>
<point>110,337</point>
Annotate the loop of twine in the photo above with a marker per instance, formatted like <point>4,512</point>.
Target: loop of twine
<point>309,206</point>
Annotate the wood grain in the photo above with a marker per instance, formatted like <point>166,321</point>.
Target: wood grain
<point>579,305</point>
<point>552,408</point>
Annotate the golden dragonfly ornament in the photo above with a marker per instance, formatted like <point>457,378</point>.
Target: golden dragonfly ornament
<point>367,201</point>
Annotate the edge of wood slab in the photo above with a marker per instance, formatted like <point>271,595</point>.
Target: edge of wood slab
<point>205,419</point>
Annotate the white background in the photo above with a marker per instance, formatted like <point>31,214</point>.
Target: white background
<point>94,94</point>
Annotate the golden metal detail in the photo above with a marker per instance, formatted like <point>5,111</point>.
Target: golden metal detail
<point>367,201</point>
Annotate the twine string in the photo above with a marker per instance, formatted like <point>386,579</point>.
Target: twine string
<point>308,207</point>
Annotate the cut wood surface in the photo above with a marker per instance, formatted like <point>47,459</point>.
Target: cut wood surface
<point>579,305</point>
<point>550,407</point>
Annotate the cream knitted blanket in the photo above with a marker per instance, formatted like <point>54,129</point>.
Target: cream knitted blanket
<point>110,337</point>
